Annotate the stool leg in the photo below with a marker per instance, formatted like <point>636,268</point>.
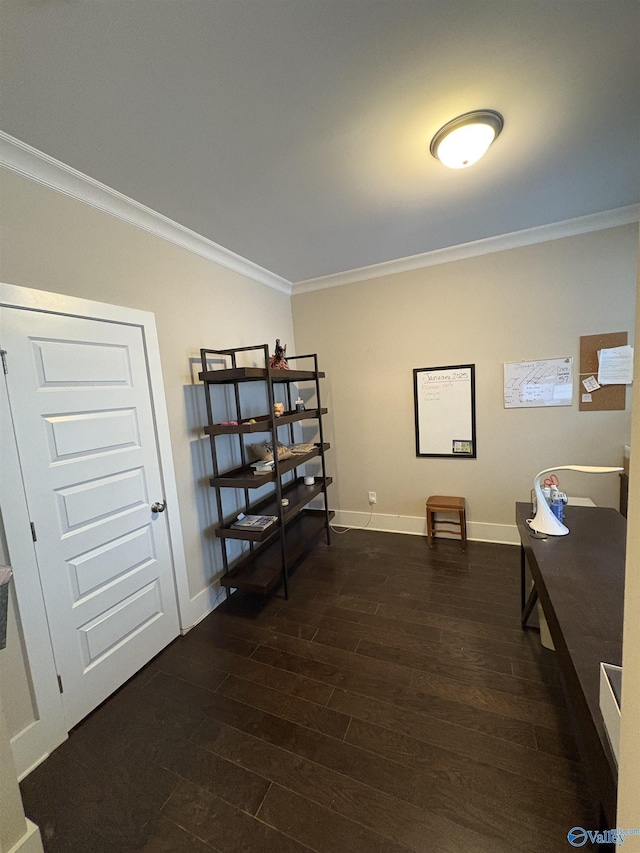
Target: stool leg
<point>429,528</point>
<point>463,528</point>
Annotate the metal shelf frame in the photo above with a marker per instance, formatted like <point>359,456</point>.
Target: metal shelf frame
<point>233,375</point>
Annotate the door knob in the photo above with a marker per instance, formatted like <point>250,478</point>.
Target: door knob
<point>158,507</point>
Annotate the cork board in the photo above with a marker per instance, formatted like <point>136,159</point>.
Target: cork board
<point>608,398</point>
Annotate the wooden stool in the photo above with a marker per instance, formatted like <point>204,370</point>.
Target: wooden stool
<point>443,503</point>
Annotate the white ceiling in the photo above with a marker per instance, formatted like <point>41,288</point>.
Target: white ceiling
<point>296,132</point>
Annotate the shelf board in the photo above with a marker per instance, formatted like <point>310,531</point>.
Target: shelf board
<point>299,496</point>
<point>295,375</point>
<point>254,374</point>
<point>261,570</point>
<point>263,423</point>
<point>244,478</point>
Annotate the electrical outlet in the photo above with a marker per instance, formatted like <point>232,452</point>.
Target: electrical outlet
<point>372,498</point>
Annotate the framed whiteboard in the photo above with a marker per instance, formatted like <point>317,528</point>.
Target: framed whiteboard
<point>445,411</point>
<point>538,383</point>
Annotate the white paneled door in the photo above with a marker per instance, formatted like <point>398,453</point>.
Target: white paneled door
<point>84,426</point>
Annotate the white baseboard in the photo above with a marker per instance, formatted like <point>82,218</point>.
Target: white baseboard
<point>24,773</point>
<point>477,531</point>
<point>201,605</point>
<point>30,841</point>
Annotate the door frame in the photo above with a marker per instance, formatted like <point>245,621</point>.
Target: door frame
<point>34,743</point>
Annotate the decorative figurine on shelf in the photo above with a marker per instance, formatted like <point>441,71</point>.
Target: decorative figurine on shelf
<point>278,409</point>
<point>279,360</point>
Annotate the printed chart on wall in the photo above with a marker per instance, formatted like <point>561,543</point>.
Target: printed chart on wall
<point>445,413</point>
<point>548,382</point>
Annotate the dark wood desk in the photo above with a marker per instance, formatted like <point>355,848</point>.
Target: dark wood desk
<point>580,581</point>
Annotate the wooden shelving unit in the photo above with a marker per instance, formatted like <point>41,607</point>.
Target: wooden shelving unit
<point>273,552</point>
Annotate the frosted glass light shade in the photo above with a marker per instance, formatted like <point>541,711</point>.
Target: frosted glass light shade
<point>545,521</point>
<point>465,146</point>
<point>464,140</point>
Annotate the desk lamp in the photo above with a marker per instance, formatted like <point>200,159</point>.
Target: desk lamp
<point>545,521</point>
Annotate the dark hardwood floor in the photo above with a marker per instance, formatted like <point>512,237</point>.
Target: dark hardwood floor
<point>392,704</point>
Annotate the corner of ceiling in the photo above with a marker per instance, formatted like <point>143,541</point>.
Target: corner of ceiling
<point>37,166</point>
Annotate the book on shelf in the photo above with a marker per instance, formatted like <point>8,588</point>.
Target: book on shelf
<point>262,467</point>
<point>254,522</point>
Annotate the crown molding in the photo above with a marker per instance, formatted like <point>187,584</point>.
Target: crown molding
<point>24,160</point>
<point>18,157</point>
<point>463,251</point>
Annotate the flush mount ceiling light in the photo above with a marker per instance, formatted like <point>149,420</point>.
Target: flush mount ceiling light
<point>463,140</point>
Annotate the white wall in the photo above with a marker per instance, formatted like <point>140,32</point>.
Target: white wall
<point>527,303</point>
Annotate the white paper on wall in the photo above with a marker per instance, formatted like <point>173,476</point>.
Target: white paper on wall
<point>615,366</point>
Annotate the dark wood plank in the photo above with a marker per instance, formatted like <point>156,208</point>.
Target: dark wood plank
<point>336,570</point>
<point>547,673</point>
<point>340,658</point>
<point>382,773</point>
<point>103,809</point>
<point>479,811</point>
<point>489,604</point>
<point>453,623</point>
<point>440,707</point>
<point>560,804</point>
<point>195,662</point>
<point>230,642</point>
<point>420,655</point>
<point>336,639</point>
<point>418,829</point>
<point>562,743</point>
<point>148,749</point>
<point>155,708</point>
<point>355,623</point>
<point>492,750</point>
<point>319,828</point>
<point>168,837</point>
<point>486,589</point>
<point>224,827</point>
<point>289,707</point>
<point>346,602</point>
<point>485,698</point>
<point>527,649</point>
<point>423,604</point>
<point>255,630</point>
<point>381,630</point>
<point>461,671</point>
<point>178,659</point>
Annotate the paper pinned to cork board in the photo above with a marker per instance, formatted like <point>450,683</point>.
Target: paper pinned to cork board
<point>615,366</point>
<point>590,384</point>
<point>608,398</point>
